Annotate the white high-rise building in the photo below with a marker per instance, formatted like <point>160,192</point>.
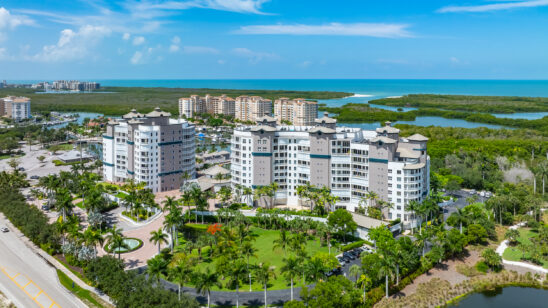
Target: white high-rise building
<point>151,148</point>
<point>299,112</point>
<point>15,107</point>
<point>349,161</point>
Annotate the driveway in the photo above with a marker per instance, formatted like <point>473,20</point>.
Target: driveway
<point>139,257</point>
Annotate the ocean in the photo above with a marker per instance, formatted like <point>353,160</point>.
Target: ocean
<point>371,88</point>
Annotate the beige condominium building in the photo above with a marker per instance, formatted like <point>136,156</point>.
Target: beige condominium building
<point>349,161</point>
<point>149,148</point>
<point>190,106</point>
<point>299,111</point>
<point>250,108</point>
<point>15,107</point>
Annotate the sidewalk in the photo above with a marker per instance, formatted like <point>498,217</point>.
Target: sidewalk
<point>502,247</point>
<point>50,259</point>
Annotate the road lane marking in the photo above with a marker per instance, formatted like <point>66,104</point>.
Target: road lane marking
<point>23,282</point>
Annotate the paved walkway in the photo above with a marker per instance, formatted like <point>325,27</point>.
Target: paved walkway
<point>502,247</point>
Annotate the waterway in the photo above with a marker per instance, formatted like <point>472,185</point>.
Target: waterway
<point>510,297</point>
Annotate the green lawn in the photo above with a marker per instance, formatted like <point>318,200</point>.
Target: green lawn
<point>263,244</point>
<point>514,254</point>
<point>83,294</point>
<point>60,147</point>
<point>6,156</point>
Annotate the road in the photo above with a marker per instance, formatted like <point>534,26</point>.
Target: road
<point>27,279</point>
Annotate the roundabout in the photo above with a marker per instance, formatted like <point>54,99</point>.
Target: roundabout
<point>131,244</point>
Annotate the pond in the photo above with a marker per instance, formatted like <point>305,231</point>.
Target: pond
<point>508,297</point>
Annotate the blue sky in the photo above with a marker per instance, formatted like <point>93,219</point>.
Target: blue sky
<point>234,39</point>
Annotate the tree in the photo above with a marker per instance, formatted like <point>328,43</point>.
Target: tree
<point>156,267</point>
<point>476,233</point>
<point>291,270</point>
<point>355,270</point>
<point>41,158</point>
<point>158,237</point>
<point>342,221</point>
<point>512,236</point>
<point>491,258</point>
<point>181,273</point>
<point>205,281</point>
<point>282,242</point>
<point>248,251</point>
<point>115,240</point>
<point>337,291</point>
<point>264,273</point>
<point>63,202</point>
<point>237,272</point>
<point>458,218</point>
<point>13,163</point>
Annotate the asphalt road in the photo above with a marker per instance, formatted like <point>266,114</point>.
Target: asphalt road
<point>27,279</point>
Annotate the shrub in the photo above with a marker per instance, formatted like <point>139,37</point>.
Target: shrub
<point>482,267</point>
<point>357,244</point>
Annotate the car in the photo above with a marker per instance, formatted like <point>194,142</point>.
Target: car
<point>45,207</point>
<point>473,192</point>
<point>21,169</point>
<point>34,177</point>
<point>4,229</point>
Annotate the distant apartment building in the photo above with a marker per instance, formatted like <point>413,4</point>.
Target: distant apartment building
<point>70,85</point>
<point>250,108</point>
<point>299,112</point>
<point>193,105</point>
<point>349,161</point>
<point>149,148</point>
<point>15,107</point>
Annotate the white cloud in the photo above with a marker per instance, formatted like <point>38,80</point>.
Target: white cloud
<point>138,40</point>
<point>506,5</point>
<point>355,29</point>
<point>10,22</point>
<point>173,48</point>
<point>73,45</point>
<point>254,56</point>
<point>220,61</point>
<point>3,53</point>
<point>305,64</point>
<point>126,36</point>
<point>454,60</point>
<point>200,50</point>
<point>152,9</point>
<point>137,58</point>
<point>176,40</point>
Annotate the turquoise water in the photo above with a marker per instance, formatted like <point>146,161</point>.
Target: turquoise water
<point>368,89</point>
<point>506,298</point>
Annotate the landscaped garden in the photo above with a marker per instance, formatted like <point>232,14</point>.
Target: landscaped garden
<point>526,247</point>
<point>266,252</point>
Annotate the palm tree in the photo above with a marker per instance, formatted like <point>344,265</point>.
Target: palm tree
<point>413,206</point>
<point>205,281</point>
<point>291,270</point>
<point>373,197</point>
<point>186,199</point>
<point>386,269</point>
<point>115,240</point>
<point>181,273</point>
<point>355,270</point>
<point>271,192</point>
<point>315,269</point>
<point>263,273</point>
<point>237,272</point>
<point>63,202</point>
<point>460,217</point>
<point>248,251</point>
<point>248,192</point>
<point>219,177</point>
<point>158,237</point>
<point>282,242</point>
<point>156,267</point>
<point>92,238</point>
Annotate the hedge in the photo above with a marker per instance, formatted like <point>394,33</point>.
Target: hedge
<point>357,244</point>
<point>32,222</point>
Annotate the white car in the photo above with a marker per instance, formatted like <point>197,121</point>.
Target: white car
<point>4,229</point>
